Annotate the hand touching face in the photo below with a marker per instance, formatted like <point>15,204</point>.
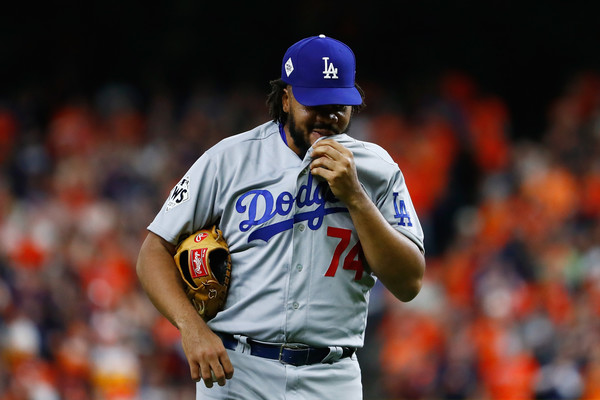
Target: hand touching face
<point>306,124</point>
<point>335,163</point>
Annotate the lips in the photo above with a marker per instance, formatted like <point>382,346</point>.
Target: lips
<point>314,136</point>
<point>324,131</point>
<point>319,132</point>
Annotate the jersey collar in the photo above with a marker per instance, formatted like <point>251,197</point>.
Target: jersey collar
<point>282,133</point>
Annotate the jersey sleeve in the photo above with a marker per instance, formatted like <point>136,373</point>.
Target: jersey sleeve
<point>190,205</point>
<point>397,207</point>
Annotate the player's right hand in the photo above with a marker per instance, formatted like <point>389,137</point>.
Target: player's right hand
<point>206,355</point>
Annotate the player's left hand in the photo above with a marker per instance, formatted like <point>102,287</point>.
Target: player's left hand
<point>207,357</point>
<point>335,163</point>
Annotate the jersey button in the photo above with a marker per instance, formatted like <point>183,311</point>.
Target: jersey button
<point>299,267</point>
<point>295,305</point>
<point>301,228</point>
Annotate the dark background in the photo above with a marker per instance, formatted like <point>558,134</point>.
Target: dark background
<point>524,52</point>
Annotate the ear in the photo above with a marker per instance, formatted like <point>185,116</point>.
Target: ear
<point>285,100</point>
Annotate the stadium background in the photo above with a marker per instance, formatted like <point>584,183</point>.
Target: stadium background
<point>491,110</point>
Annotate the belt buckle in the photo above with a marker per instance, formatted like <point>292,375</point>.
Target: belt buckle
<point>291,347</point>
<point>281,353</point>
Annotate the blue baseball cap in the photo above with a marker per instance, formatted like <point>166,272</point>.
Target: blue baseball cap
<point>321,71</point>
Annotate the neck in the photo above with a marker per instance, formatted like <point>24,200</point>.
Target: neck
<point>284,131</point>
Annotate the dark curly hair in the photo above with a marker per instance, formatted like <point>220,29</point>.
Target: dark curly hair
<point>276,107</point>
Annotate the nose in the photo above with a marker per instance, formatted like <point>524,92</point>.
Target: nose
<point>328,116</point>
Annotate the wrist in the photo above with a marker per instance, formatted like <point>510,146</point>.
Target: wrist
<point>358,201</point>
<point>189,320</point>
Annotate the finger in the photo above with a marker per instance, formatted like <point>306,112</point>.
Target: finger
<point>227,366</point>
<point>332,144</point>
<point>194,371</point>
<point>218,375</point>
<point>342,166</point>
<point>326,174</point>
<point>322,162</point>
<point>327,142</point>
<point>334,155</point>
<point>327,149</point>
<point>207,376</point>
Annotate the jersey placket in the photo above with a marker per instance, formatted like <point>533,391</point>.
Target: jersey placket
<point>302,248</point>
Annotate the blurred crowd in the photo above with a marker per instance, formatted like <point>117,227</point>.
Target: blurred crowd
<point>510,307</point>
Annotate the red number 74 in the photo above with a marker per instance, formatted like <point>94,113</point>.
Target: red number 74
<point>353,258</point>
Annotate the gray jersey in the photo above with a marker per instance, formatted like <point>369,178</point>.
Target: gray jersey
<point>297,274</point>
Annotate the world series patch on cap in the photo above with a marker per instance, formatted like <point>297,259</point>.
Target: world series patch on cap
<point>321,70</point>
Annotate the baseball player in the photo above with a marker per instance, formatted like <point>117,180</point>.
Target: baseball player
<point>312,218</point>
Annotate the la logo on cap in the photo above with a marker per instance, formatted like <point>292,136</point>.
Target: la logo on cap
<point>330,72</point>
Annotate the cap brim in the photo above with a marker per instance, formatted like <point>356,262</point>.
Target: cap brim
<point>324,96</point>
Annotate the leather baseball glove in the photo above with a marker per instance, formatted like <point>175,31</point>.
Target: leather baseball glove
<point>204,262</point>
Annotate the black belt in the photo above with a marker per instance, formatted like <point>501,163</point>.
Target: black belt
<point>286,353</point>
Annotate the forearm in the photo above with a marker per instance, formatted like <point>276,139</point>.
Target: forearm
<point>162,282</point>
<point>395,259</point>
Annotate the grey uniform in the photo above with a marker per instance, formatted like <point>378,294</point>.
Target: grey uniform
<point>297,273</point>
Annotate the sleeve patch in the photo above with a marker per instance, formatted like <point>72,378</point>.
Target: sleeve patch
<point>179,194</point>
<point>401,212</point>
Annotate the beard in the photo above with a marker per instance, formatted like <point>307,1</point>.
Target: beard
<point>300,137</point>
